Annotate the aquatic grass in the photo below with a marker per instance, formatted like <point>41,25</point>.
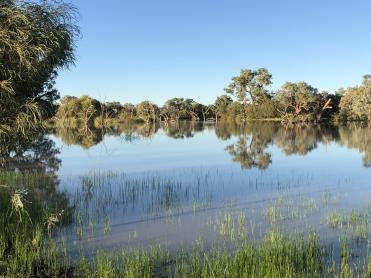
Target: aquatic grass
<point>355,223</point>
<point>28,249</point>
<point>276,256</point>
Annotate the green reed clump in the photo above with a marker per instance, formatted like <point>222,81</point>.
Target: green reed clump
<point>357,223</point>
<point>276,256</point>
<point>126,263</point>
<point>26,221</point>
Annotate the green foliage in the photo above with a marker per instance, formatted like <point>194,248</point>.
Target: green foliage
<point>81,111</point>
<point>293,103</point>
<point>222,104</point>
<point>355,104</point>
<point>147,111</point>
<point>176,109</point>
<point>250,85</point>
<point>301,102</point>
<point>36,40</point>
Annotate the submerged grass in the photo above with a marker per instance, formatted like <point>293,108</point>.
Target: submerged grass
<point>27,248</point>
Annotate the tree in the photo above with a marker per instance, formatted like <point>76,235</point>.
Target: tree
<point>176,108</point>
<point>207,111</point>
<point>147,111</point>
<point>194,109</point>
<point>89,110</point>
<point>298,102</point>
<point>221,105</point>
<point>355,104</point>
<point>250,86</point>
<point>128,110</point>
<point>112,109</point>
<point>164,114</point>
<point>81,111</point>
<point>36,40</point>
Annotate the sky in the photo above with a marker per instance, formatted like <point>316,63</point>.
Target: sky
<point>137,50</point>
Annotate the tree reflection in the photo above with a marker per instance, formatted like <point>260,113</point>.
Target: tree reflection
<point>253,138</point>
<point>357,136</point>
<point>296,140</point>
<point>74,136</point>
<point>39,155</point>
<point>250,150</point>
<point>182,129</point>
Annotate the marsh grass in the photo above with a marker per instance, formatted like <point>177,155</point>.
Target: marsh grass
<point>29,249</point>
<point>355,223</point>
<point>277,255</point>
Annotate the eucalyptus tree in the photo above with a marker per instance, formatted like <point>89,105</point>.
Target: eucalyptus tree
<point>112,109</point>
<point>147,111</point>
<point>176,107</point>
<point>128,110</point>
<point>221,105</point>
<point>208,111</point>
<point>251,86</point>
<point>193,109</point>
<point>164,114</point>
<point>80,112</point>
<point>36,40</point>
<point>89,110</point>
<point>301,102</point>
<point>355,104</point>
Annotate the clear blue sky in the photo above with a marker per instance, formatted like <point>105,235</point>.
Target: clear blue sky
<point>158,49</point>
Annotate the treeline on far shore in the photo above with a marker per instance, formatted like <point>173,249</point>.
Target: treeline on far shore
<point>247,98</point>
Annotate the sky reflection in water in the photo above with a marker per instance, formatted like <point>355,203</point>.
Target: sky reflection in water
<point>172,185</point>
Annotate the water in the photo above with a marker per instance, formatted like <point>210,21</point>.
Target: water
<point>142,186</point>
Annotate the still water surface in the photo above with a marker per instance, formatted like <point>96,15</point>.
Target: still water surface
<point>143,186</point>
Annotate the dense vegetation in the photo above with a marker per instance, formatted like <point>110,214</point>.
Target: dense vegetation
<point>247,98</point>
<point>36,40</point>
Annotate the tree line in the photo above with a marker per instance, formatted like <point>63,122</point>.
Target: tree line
<point>246,98</point>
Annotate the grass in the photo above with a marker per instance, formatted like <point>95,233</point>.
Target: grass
<point>29,219</point>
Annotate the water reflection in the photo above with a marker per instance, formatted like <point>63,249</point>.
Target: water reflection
<point>84,138</point>
<point>29,172</point>
<point>39,155</point>
<point>357,136</point>
<point>171,203</point>
<point>251,140</point>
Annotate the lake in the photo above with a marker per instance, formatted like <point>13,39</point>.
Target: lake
<point>142,186</point>
<point>179,185</point>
